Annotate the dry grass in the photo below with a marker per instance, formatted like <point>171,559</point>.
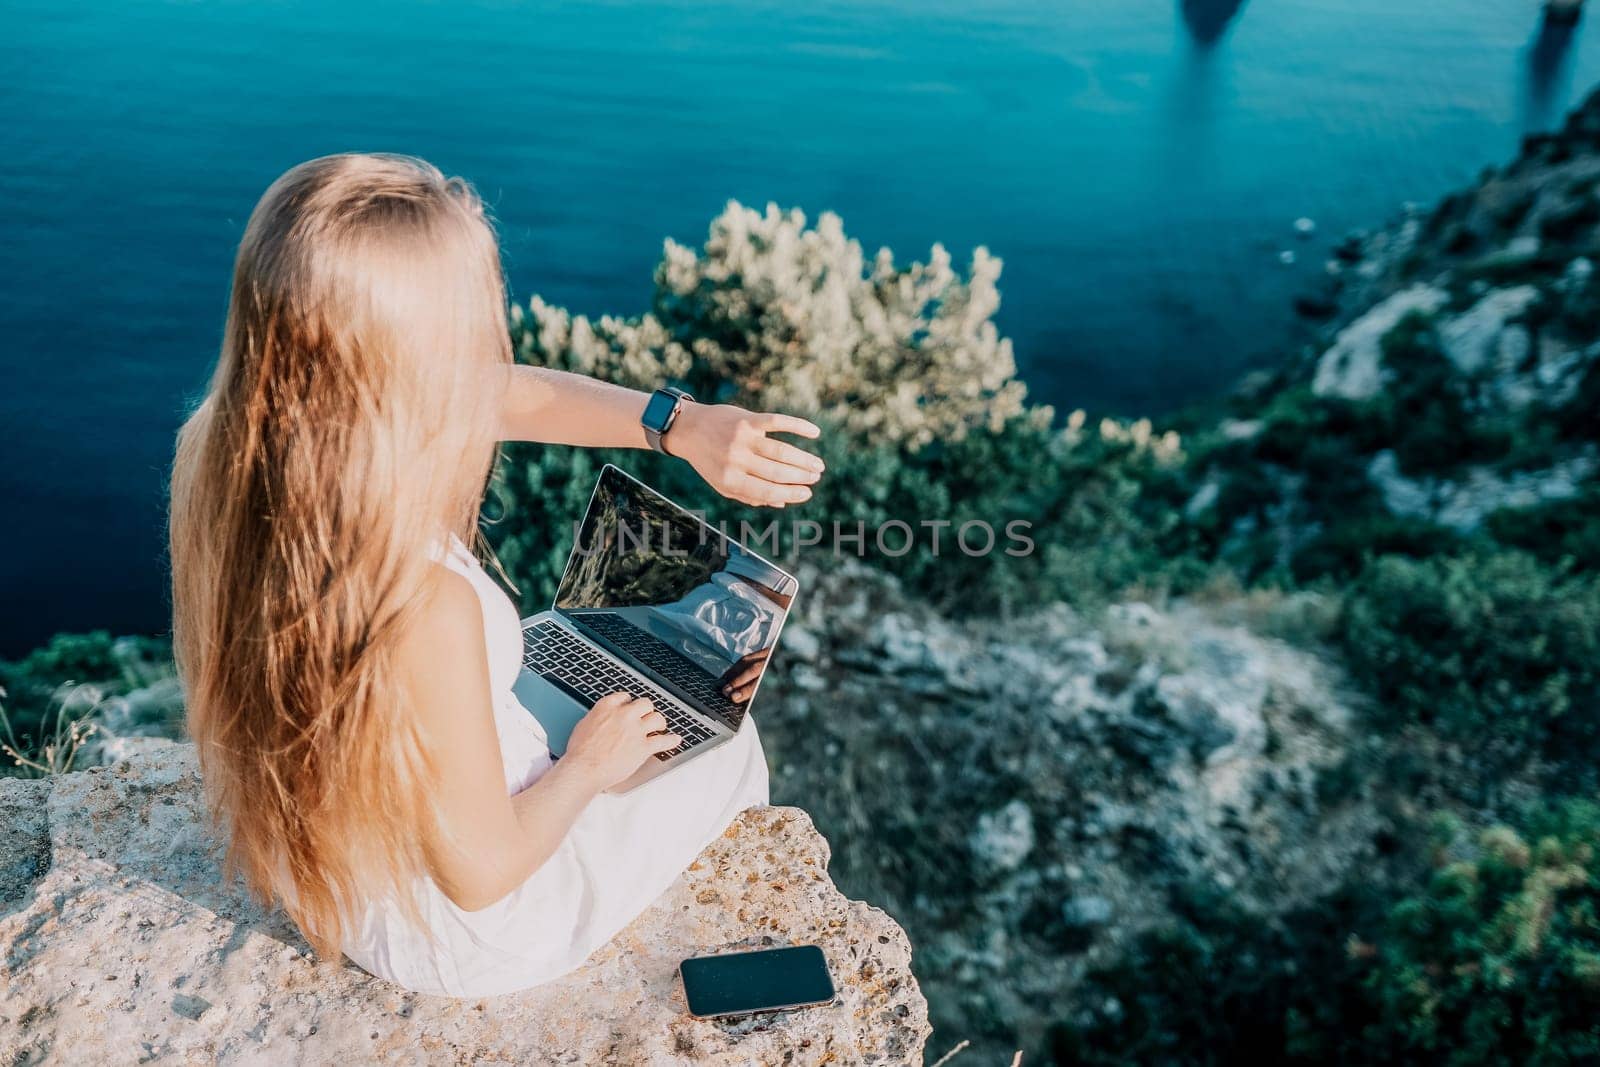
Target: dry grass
<point>57,750</point>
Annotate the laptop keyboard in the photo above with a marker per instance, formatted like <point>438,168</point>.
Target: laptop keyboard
<point>585,674</point>
<point>665,660</point>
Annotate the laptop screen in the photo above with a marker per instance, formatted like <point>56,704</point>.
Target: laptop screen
<point>680,602</point>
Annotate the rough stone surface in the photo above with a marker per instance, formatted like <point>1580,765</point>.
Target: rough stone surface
<point>1352,367</point>
<point>1474,340</point>
<point>123,945</point>
<point>25,843</point>
<point>1004,838</point>
<point>1029,795</point>
<point>1464,503</point>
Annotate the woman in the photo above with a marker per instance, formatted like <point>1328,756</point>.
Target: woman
<point>348,664</point>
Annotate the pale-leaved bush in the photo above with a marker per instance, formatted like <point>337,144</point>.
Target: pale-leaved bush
<point>776,314</point>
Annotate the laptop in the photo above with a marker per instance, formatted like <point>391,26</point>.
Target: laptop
<point>658,603</point>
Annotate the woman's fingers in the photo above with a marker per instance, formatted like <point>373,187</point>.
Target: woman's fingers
<point>731,450</point>
<point>654,721</point>
<point>760,492</point>
<point>613,700</point>
<point>776,423</point>
<point>771,470</point>
<point>663,742</point>
<point>777,496</point>
<point>781,472</point>
<point>789,455</point>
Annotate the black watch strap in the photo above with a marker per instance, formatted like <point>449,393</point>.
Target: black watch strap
<point>656,428</point>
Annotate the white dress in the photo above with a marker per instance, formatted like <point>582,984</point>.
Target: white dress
<point>622,853</point>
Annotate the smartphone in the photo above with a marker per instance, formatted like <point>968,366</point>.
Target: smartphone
<point>772,979</point>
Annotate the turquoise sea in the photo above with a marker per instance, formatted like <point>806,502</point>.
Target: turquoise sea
<point>1138,164</point>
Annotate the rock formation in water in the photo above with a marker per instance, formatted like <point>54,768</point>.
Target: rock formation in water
<point>1208,20</point>
<point>119,943</point>
<point>1563,11</point>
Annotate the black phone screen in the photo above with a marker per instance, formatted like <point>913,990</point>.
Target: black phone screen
<point>767,979</point>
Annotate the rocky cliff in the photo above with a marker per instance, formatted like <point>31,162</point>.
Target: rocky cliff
<point>1030,795</point>
<point>1451,389</point>
<point>122,944</point>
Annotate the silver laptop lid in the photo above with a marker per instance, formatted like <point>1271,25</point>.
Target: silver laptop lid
<point>692,609</point>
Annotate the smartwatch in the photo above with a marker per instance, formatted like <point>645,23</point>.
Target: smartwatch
<point>660,413</point>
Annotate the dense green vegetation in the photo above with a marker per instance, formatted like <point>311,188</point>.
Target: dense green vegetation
<point>1493,958</point>
<point>1221,987</point>
<point>1104,513</point>
<point>1487,641</point>
<point>1488,648</point>
<point>1497,958</point>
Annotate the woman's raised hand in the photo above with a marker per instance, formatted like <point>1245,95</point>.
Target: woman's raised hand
<point>731,449</point>
<point>615,738</point>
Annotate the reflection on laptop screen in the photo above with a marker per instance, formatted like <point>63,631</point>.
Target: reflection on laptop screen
<point>672,595</point>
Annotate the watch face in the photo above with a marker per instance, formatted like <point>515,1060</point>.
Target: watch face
<point>658,411</point>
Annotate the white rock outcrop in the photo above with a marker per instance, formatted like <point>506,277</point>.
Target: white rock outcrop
<point>120,943</point>
<point>1352,367</point>
<point>1464,503</point>
<point>1476,340</point>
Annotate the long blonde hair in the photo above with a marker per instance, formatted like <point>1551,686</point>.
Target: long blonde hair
<point>347,432</point>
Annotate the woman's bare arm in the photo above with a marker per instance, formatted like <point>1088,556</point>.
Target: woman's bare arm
<point>729,447</point>
<point>487,843</point>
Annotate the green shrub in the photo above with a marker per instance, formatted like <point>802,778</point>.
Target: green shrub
<point>1425,412</point>
<point>1305,469</point>
<point>798,317</point>
<point>1510,209</point>
<point>1579,419</point>
<point>1497,960</point>
<point>1570,220</point>
<point>1224,987</point>
<point>1493,649</point>
<point>1568,310</point>
<point>1503,268</point>
<point>1342,548</point>
<point>1296,422</point>
<point>1103,511</point>
<point>926,422</point>
<point>1491,959</point>
<point>1324,442</point>
<point>1565,533</point>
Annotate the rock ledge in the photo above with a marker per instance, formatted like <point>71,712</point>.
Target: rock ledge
<point>121,944</point>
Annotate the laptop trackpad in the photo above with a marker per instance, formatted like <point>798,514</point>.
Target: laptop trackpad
<point>556,712</point>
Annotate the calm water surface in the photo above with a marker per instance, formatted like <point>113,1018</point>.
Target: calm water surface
<point>1137,163</point>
